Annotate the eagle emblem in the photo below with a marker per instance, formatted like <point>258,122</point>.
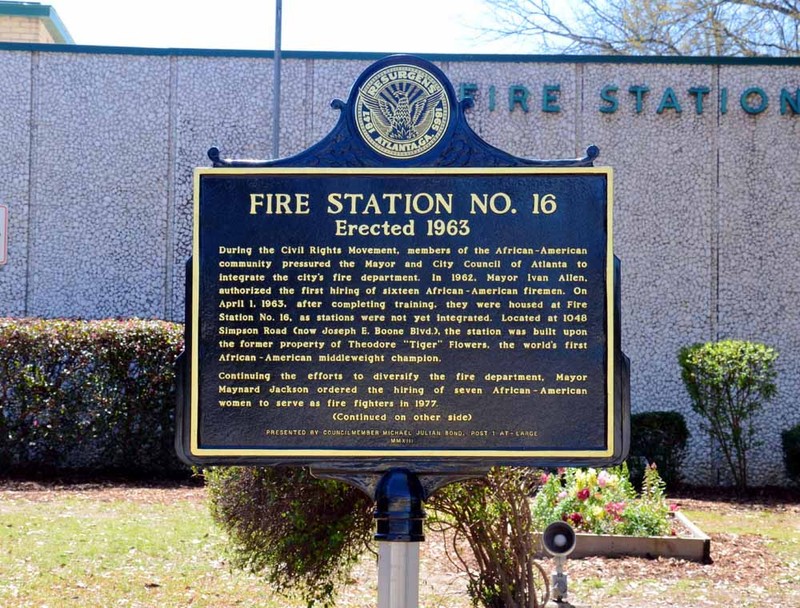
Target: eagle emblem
<point>402,111</point>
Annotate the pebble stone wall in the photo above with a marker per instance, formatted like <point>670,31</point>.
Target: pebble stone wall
<point>100,144</point>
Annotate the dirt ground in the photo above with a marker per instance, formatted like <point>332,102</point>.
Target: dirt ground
<point>143,493</point>
<point>746,569</point>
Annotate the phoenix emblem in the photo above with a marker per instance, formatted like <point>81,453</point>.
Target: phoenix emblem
<point>402,111</point>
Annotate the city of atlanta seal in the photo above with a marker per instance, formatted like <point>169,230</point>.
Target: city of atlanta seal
<point>402,111</point>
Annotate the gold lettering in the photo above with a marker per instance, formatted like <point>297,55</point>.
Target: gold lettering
<point>280,203</point>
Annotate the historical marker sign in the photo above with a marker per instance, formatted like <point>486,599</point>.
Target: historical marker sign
<point>403,313</point>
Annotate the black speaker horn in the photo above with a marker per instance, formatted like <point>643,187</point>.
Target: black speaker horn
<point>559,539</point>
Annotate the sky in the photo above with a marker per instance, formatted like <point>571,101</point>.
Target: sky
<point>409,26</point>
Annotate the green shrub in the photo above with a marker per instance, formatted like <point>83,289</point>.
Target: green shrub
<point>95,396</point>
<point>492,516</point>
<point>729,382</point>
<point>658,438</point>
<point>791,453</point>
<point>303,534</point>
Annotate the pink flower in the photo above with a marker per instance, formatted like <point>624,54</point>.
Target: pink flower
<point>583,493</point>
<point>615,509</point>
<point>562,495</point>
<point>674,507</point>
<point>602,479</point>
<point>544,478</point>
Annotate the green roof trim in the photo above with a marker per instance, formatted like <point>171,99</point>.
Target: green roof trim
<point>46,13</point>
<point>436,57</point>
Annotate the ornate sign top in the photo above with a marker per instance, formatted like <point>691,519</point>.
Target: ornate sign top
<point>402,111</point>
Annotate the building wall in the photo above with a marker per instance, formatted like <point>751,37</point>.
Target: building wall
<point>23,29</point>
<point>101,143</point>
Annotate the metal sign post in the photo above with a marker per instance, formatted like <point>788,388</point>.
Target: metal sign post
<point>398,574</point>
<point>3,234</point>
<point>276,82</point>
<point>399,517</point>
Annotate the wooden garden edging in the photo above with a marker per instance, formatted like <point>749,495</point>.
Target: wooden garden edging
<point>696,547</point>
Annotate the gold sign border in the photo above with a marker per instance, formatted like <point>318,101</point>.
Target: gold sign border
<point>400,453</point>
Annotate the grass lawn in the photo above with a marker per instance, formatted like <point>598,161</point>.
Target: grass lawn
<point>85,551</point>
<point>107,546</point>
<point>779,528</point>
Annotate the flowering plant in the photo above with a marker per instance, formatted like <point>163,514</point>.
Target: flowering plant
<point>603,502</point>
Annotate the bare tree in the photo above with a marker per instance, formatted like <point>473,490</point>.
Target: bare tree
<point>744,28</point>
